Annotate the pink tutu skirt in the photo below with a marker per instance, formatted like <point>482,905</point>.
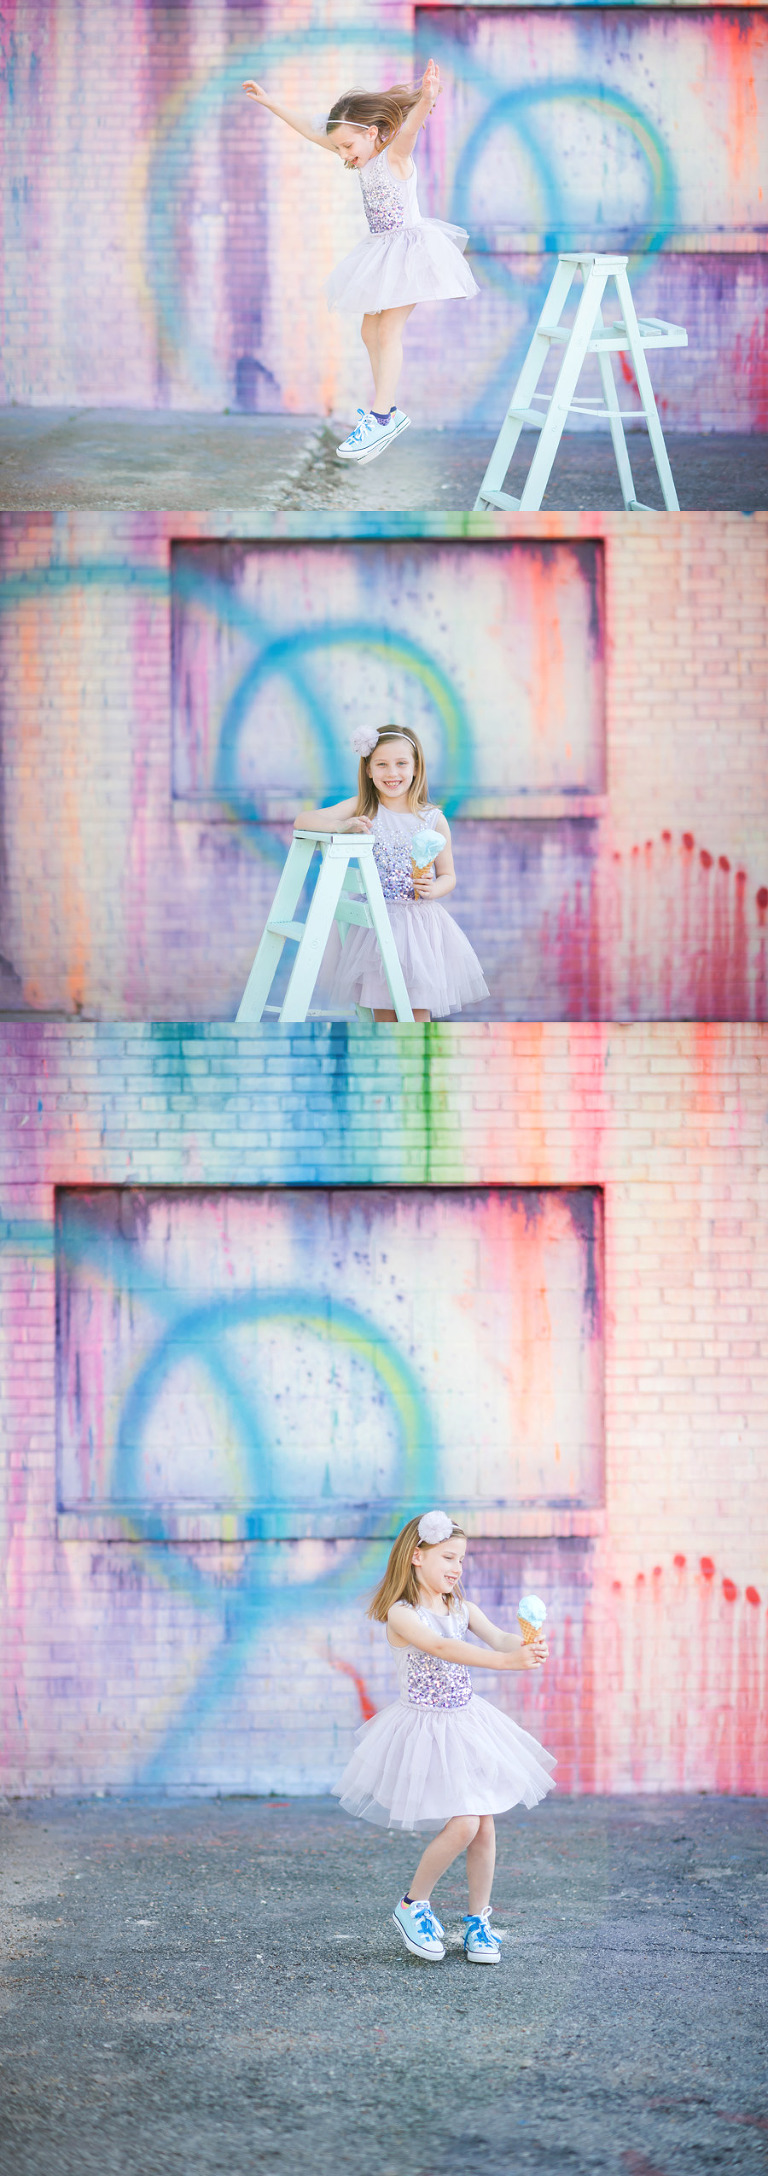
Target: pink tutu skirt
<point>422,263</point>
<point>441,971</point>
<point>415,1767</point>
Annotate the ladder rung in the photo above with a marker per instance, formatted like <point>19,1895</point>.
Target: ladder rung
<point>287,929</point>
<point>500,499</point>
<point>527,415</point>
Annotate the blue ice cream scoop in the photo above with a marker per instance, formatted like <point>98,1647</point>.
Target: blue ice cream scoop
<point>531,1613</point>
<point>425,845</point>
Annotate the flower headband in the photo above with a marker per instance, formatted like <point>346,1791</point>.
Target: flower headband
<point>436,1526</point>
<point>366,737</point>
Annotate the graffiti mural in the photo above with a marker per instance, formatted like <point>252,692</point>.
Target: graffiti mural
<point>184,699</point>
<point>211,230</point>
<point>262,1352</point>
<point>494,657</point>
<point>191,1218</point>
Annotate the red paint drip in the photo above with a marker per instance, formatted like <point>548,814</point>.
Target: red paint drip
<point>707,1567</point>
<point>367,1708</point>
<point>729,1590</point>
<point>679,1561</point>
<point>752,1596</point>
<point>705,858</point>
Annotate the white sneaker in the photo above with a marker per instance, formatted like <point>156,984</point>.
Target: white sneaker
<point>369,437</point>
<point>480,1945</point>
<point>420,1930</point>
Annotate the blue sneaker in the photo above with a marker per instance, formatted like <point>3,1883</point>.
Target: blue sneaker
<point>370,437</point>
<point>420,1930</point>
<point>480,1945</point>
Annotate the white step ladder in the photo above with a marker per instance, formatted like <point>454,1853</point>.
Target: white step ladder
<point>589,335</point>
<point>330,903</point>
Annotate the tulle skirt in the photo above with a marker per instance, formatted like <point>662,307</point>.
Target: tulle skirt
<point>423,263</point>
<point>441,971</point>
<point>414,1768</point>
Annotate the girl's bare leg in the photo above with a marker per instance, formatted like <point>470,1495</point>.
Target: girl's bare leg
<point>389,363</point>
<point>457,1836</point>
<point>369,333</point>
<point>481,1860</point>
<point>379,1015</point>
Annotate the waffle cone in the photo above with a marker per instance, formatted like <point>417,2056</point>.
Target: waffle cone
<point>530,1632</point>
<point>417,872</point>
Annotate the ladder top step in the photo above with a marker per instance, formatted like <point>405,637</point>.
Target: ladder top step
<point>351,841</point>
<point>610,263</point>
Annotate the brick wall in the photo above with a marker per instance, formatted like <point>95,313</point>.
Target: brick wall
<point>643,897</point>
<point>131,1662</point>
<point>147,198</point>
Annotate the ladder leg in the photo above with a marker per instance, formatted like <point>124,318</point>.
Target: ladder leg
<point>527,382</point>
<point>383,929</point>
<point>568,376</point>
<point>317,930</point>
<point>268,956</point>
<point>647,396</point>
<point>620,447</point>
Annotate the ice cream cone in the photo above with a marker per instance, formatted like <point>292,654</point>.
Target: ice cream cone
<point>530,1632</point>
<point>417,872</point>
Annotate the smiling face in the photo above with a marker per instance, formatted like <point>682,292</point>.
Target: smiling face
<point>391,769</point>
<point>355,145</point>
<point>438,1569</point>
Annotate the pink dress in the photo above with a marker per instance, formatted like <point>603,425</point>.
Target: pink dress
<point>440,1750</point>
<point>441,971</point>
<point>404,258</point>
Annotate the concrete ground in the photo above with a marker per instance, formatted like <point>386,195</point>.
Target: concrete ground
<point>217,1986</point>
<point>56,458</point>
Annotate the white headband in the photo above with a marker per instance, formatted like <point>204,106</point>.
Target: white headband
<point>366,737</point>
<point>436,1526</point>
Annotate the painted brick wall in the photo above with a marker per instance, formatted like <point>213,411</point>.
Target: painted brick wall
<point>131,886</point>
<point>148,199</point>
<point>130,1662</point>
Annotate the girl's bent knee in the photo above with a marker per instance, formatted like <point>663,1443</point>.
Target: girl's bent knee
<point>466,1826</point>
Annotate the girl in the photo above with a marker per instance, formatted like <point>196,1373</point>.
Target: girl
<point>405,259</point>
<point>441,1757</point>
<point>441,971</point>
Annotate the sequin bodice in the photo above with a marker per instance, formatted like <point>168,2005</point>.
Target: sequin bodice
<point>426,1681</point>
<point>392,834</point>
<point>388,202</point>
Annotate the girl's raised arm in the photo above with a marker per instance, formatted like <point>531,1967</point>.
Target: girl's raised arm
<point>294,120</point>
<point>339,818</point>
<point>406,136</point>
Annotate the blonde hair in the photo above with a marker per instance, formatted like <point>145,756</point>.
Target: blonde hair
<point>383,110</point>
<point>400,1583</point>
<point>418,791</point>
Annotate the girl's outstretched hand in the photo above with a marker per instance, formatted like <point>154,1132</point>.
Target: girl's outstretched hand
<point>522,1657</point>
<point>356,823</point>
<point>254,90</point>
<point>430,83</point>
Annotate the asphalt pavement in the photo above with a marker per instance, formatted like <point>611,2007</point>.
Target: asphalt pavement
<point>218,1986</point>
<point>115,460</point>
